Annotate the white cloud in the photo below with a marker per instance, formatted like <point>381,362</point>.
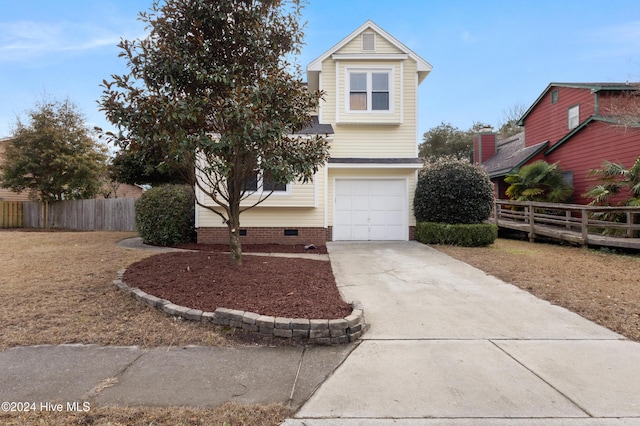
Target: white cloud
<point>27,40</point>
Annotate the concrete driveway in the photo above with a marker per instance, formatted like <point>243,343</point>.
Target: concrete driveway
<point>448,344</point>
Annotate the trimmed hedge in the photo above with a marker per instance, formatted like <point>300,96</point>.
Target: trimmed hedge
<point>466,235</point>
<point>165,215</point>
<point>453,191</point>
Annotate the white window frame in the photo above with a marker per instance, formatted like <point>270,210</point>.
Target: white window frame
<point>260,187</point>
<point>573,116</point>
<point>369,71</point>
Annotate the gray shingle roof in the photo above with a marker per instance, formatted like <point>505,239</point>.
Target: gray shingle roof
<point>511,154</point>
<point>316,128</point>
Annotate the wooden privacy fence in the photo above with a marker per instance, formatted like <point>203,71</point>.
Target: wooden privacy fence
<point>11,214</point>
<point>571,222</point>
<point>114,214</point>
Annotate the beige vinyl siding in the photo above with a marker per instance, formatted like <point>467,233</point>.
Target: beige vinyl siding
<point>372,142</point>
<point>408,174</point>
<point>296,209</point>
<point>7,195</point>
<point>355,46</point>
<point>366,138</point>
<point>286,217</point>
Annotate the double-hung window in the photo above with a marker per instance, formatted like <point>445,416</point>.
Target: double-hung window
<point>369,90</point>
<point>573,117</point>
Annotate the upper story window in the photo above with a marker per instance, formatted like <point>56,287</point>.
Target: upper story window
<point>573,117</point>
<point>554,97</point>
<point>369,90</point>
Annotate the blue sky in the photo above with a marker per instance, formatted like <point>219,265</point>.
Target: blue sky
<point>487,56</point>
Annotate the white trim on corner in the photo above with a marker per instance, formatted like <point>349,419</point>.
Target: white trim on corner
<point>337,85</point>
<point>402,93</point>
<point>315,189</point>
<point>320,102</point>
<point>326,197</point>
<point>416,105</point>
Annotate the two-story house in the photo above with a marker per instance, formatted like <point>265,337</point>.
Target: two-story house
<point>365,191</point>
<point>571,124</point>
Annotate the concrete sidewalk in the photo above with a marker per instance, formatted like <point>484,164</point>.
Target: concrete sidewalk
<point>450,345</point>
<point>176,376</point>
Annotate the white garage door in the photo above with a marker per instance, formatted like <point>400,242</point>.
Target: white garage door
<point>370,209</point>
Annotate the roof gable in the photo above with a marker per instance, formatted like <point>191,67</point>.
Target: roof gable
<point>593,87</point>
<point>389,41</point>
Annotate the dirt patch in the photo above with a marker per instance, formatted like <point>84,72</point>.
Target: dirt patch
<point>227,414</point>
<point>275,286</point>
<point>601,286</point>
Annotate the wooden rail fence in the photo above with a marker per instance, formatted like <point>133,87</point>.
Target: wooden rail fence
<point>115,214</point>
<point>571,222</point>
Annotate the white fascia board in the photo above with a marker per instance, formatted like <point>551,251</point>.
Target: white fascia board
<point>370,56</point>
<point>423,66</point>
<point>374,166</point>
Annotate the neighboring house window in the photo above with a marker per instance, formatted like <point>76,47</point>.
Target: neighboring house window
<point>369,90</point>
<point>573,116</point>
<point>369,42</point>
<point>554,97</point>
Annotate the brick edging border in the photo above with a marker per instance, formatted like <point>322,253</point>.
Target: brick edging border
<point>317,331</point>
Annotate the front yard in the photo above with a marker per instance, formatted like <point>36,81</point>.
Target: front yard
<point>56,287</point>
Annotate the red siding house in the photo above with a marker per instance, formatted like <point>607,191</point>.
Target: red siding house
<point>572,124</point>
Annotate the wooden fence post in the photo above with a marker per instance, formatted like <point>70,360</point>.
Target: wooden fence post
<point>585,227</point>
<point>532,230</point>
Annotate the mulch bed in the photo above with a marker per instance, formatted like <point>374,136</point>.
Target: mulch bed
<point>275,286</point>
<point>255,248</point>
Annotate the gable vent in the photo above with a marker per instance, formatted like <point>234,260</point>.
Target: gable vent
<point>369,42</point>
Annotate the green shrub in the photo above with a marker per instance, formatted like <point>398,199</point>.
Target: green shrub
<point>453,191</point>
<point>466,235</point>
<point>165,215</point>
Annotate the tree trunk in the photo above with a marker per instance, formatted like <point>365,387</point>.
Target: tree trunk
<point>235,245</point>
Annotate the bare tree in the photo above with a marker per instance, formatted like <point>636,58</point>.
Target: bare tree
<point>510,117</point>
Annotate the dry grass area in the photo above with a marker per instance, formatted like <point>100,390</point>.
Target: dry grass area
<point>603,287</point>
<point>228,414</point>
<point>56,287</point>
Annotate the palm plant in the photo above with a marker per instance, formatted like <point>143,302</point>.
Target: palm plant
<point>538,181</point>
<point>615,178</point>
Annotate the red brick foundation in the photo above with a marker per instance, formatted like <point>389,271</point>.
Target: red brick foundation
<point>318,236</point>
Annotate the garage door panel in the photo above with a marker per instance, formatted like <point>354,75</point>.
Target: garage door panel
<point>377,202</point>
<point>396,232</point>
<point>370,209</point>
<point>395,218</point>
